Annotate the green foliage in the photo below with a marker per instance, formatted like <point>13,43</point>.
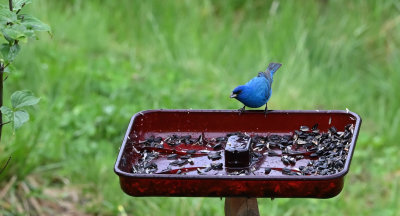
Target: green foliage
<point>19,4</point>
<point>33,24</point>
<point>9,52</point>
<point>16,114</point>
<point>15,27</point>
<point>24,98</point>
<point>7,16</point>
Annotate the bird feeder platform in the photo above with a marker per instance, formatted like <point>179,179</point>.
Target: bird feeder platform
<point>225,153</point>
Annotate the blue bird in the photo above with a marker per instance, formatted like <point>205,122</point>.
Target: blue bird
<point>257,91</point>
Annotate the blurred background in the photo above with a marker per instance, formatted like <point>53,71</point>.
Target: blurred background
<point>110,59</point>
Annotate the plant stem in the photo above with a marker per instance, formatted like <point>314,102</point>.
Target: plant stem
<point>1,97</point>
<point>2,67</point>
<point>5,166</point>
<point>10,5</point>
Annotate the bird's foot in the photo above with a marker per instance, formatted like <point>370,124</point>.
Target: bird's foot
<point>241,110</point>
<point>266,110</point>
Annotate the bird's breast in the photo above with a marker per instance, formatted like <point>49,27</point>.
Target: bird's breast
<point>256,95</point>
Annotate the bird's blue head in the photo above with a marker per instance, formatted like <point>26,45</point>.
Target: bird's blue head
<point>239,92</point>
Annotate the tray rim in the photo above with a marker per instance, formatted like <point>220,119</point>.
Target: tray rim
<point>340,174</point>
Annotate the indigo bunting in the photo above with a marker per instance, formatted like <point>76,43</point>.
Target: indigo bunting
<point>257,91</point>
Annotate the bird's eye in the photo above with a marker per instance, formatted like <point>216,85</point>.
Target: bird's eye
<point>237,92</point>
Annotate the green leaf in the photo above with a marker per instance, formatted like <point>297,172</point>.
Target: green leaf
<point>6,16</point>
<point>4,50</point>
<point>18,4</point>
<point>33,23</point>
<point>7,112</point>
<point>20,117</point>
<point>9,52</point>
<point>17,31</point>
<point>14,50</point>
<point>17,118</point>
<point>10,69</point>
<point>23,98</point>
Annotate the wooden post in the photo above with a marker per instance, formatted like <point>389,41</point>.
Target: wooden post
<point>240,206</point>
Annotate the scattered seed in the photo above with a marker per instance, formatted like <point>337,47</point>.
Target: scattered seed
<point>257,155</point>
<point>301,142</point>
<point>285,160</point>
<point>304,128</point>
<point>272,145</point>
<point>326,151</point>
<point>191,151</point>
<point>260,145</point>
<point>286,171</point>
<point>205,151</point>
<point>292,160</point>
<point>217,146</point>
<point>191,161</point>
<point>214,155</point>
<point>216,166</point>
<point>178,162</point>
<point>333,130</point>
<point>272,153</point>
<point>185,157</point>
<point>172,156</point>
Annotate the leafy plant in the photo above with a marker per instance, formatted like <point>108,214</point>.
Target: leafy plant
<point>16,28</point>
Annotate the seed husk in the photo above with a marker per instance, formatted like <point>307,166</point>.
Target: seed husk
<point>185,157</point>
<point>214,155</point>
<point>304,128</point>
<point>217,146</point>
<point>192,151</point>
<point>172,156</point>
<point>178,162</point>
<point>216,166</point>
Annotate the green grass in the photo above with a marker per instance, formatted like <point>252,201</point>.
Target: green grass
<point>110,59</point>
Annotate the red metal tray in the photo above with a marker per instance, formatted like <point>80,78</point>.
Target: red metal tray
<point>214,123</point>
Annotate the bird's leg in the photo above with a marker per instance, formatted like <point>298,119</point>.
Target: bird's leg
<point>241,110</point>
<point>266,109</point>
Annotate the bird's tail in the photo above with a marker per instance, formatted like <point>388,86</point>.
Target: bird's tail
<point>272,68</point>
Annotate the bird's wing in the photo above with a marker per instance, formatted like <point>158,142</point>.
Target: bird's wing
<point>259,85</point>
<point>259,90</point>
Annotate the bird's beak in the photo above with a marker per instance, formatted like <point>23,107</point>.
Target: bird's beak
<point>233,95</point>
